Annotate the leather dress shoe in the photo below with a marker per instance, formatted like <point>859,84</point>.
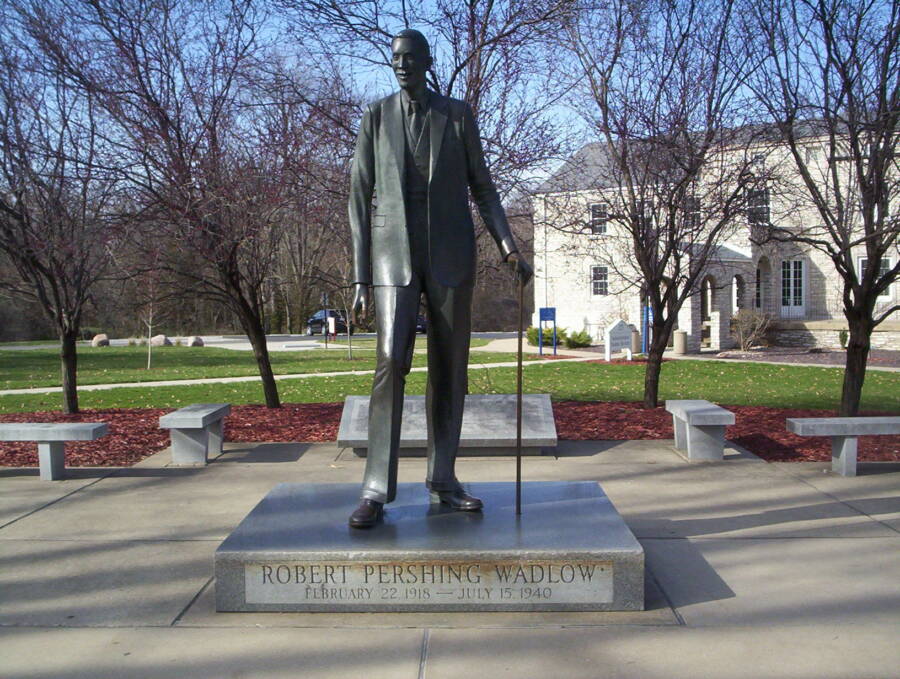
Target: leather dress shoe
<point>457,499</point>
<point>366,515</point>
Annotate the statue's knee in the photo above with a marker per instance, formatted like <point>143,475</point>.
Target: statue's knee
<point>392,367</point>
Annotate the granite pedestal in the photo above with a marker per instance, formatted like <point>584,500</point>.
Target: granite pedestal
<point>488,426</point>
<point>568,551</point>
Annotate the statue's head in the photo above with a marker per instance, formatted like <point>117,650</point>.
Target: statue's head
<point>410,59</point>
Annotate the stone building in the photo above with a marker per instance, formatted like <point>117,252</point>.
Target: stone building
<point>583,264</point>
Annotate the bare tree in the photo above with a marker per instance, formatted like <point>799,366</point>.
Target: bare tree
<point>316,258</point>
<point>658,88</point>
<point>828,74</point>
<point>496,55</point>
<point>57,206</point>
<point>182,82</point>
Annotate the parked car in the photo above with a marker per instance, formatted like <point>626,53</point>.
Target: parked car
<point>421,324</point>
<point>317,325</point>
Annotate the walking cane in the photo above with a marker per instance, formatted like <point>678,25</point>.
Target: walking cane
<point>519,399</point>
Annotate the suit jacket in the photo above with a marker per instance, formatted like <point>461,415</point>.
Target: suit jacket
<point>381,253</point>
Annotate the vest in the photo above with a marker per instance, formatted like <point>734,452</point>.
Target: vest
<point>417,163</point>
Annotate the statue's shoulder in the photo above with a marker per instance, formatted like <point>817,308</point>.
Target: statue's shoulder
<point>375,107</point>
<point>455,108</point>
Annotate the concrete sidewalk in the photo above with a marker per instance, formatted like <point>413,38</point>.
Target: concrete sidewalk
<point>753,570</point>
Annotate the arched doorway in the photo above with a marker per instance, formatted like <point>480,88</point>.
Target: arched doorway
<point>707,300</point>
<point>763,284</point>
<point>738,293</point>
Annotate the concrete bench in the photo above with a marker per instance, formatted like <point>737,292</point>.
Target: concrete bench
<point>843,432</point>
<point>195,430</point>
<point>51,438</point>
<point>699,428</point>
<point>488,425</point>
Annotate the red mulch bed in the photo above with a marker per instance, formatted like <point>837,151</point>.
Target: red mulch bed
<point>135,433</point>
<point>758,429</point>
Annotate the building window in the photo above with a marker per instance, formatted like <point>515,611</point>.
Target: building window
<point>599,216</point>
<point>883,267</point>
<point>758,296</point>
<point>758,206</point>
<point>645,215</point>
<point>599,280</point>
<point>692,212</point>
<point>792,287</point>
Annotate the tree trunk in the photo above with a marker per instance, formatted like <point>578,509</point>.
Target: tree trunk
<point>349,323</point>
<point>68,354</point>
<point>654,366</point>
<point>288,316</point>
<point>257,336</point>
<point>855,368</point>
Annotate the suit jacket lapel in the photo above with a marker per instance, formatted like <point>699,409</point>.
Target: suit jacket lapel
<point>394,125</point>
<point>438,123</point>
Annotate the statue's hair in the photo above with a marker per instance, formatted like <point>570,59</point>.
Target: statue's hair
<point>415,36</point>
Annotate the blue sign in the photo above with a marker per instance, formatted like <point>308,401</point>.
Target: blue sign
<point>548,313</point>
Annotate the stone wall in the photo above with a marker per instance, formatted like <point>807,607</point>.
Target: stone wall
<point>826,334</point>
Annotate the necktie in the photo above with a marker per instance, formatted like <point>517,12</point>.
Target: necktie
<point>416,120</point>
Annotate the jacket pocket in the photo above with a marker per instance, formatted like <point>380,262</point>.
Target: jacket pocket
<point>378,220</point>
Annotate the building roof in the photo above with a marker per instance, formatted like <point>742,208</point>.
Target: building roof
<point>591,167</point>
<point>730,253</point>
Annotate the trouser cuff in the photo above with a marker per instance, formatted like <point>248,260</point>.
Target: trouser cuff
<point>442,485</point>
<point>373,495</point>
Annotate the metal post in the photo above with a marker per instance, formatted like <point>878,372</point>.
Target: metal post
<point>519,402</point>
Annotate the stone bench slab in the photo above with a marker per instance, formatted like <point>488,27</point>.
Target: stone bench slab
<point>52,431</point>
<point>843,426</point>
<point>699,428</point>
<point>488,426</point>
<point>196,430</point>
<point>51,438</point>
<point>698,412</point>
<point>843,432</point>
<point>195,416</point>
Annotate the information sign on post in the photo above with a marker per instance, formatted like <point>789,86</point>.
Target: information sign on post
<point>547,314</point>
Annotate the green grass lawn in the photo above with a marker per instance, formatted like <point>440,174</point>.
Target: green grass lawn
<point>112,365</point>
<point>421,342</point>
<point>725,383</point>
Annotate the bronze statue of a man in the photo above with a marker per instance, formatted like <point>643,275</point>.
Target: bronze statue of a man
<point>419,153</point>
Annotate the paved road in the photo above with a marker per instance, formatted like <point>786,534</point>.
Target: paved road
<point>753,570</point>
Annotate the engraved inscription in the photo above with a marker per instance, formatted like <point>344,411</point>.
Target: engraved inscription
<point>423,583</point>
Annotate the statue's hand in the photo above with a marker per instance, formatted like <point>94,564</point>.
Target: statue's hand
<point>360,302</point>
<point>522,268</point>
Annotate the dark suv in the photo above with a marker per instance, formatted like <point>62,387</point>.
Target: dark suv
<point>317,325</point>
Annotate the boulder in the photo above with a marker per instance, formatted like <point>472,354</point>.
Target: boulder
<point>194,341</point>
<point>100,340</point>
<point>160,341</point>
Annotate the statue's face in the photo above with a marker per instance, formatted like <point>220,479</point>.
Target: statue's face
<point>410,62</point>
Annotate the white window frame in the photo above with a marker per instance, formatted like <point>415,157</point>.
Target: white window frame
<point>597,226</point>
<point>793,307</point>
<point>603,282</point>
<point>886,263</point>
<point>756,208</point>
<point>693,214</point>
